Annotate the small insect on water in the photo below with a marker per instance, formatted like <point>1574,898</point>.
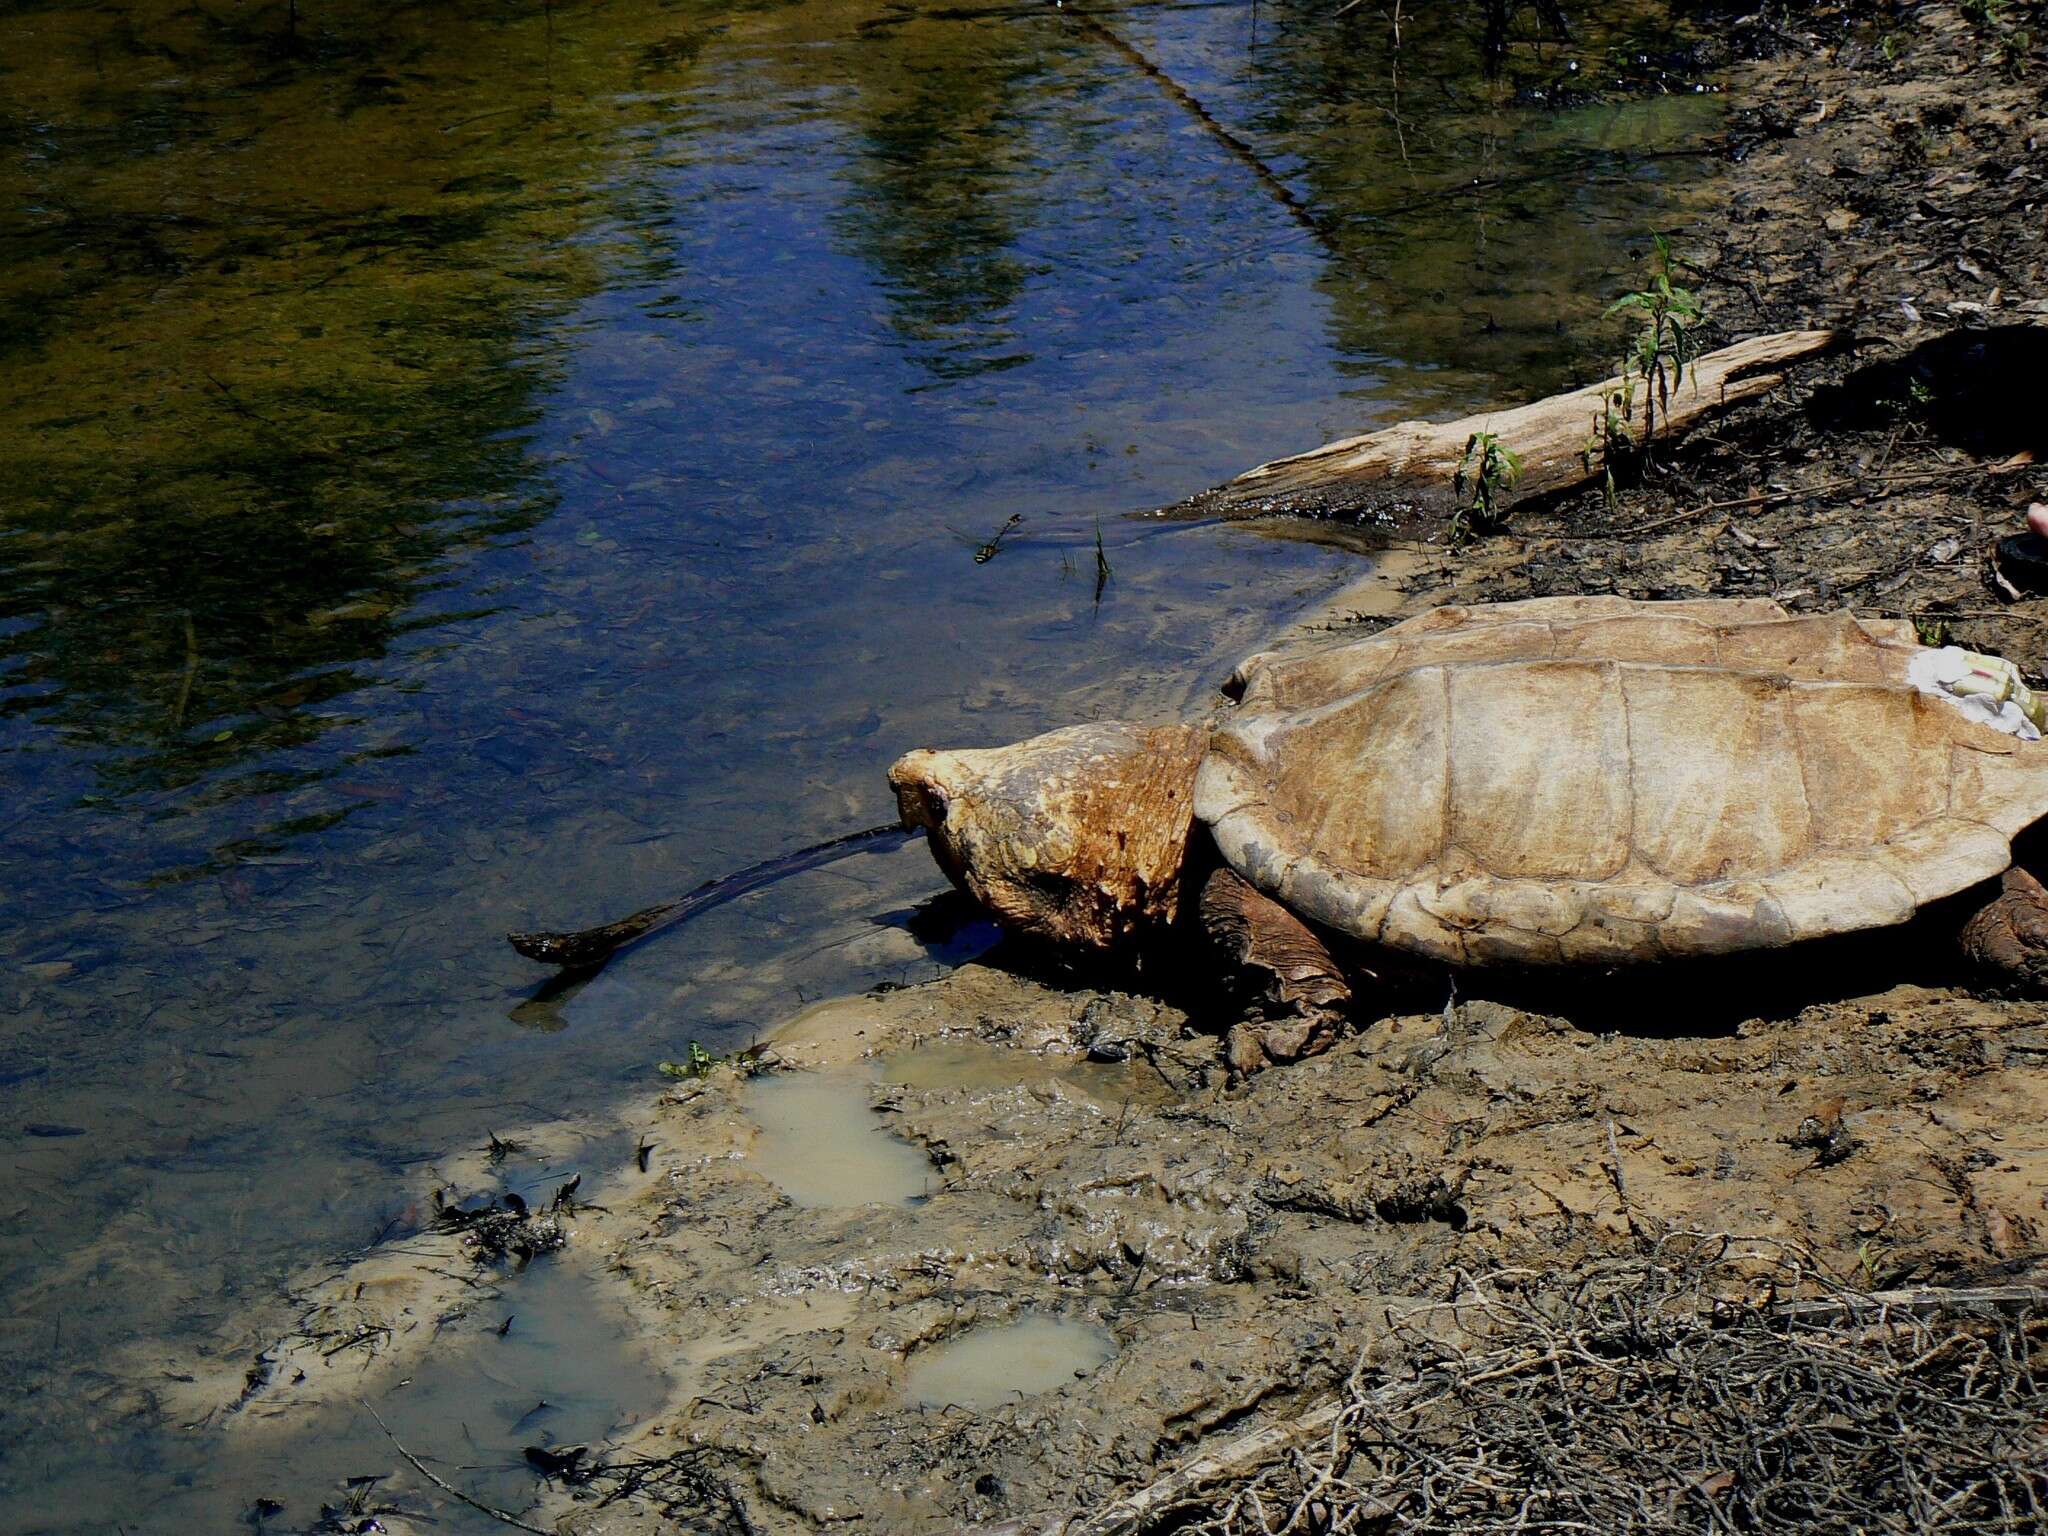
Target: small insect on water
<point>993,547</point>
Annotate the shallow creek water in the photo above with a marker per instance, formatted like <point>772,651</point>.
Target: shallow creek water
<point>476,467</point>
<point>564,1373</point>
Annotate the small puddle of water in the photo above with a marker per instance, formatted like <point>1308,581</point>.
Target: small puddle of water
<point>566,1372</point>
<point>974,1066</point>
<point>821,1144</point>
<point>991,1366</point>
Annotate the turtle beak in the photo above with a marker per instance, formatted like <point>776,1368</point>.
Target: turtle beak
<point>921,797</point>
<point>927,785</point>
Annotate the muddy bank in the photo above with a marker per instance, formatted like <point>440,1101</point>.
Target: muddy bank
<point>1073,1251</point>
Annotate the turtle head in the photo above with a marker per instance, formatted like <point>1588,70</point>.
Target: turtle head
<point>1076,837</point>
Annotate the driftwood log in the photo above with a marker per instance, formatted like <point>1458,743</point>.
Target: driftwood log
<point>1410,467</point>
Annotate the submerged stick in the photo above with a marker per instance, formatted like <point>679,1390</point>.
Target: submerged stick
<point>1187,101</point>
<point>442,1483</point>
<point>589,948</point>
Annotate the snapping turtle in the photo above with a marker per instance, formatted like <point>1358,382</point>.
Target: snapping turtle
<point>1562,781</point>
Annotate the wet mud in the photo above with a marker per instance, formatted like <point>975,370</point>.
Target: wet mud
<point>1111,1262</point>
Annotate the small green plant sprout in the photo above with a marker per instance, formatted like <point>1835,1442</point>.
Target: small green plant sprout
<point>747,1062</point>
<point>1103,573</point>
<point>1665,347</point>
<point>696,1064</point>
<point>1490,468</point>
<point>2012,44</point>
<point>1610,437</point>
<point>1931,631</point>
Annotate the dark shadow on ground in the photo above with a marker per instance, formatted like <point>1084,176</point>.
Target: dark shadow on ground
<point>1691,999</point>
<point>1979,391</point>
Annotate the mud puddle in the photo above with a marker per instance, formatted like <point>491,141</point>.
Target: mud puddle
<point>821,1144</point>
<point>563,1373</point>
<point>992,1366</point>
<point>539,1365</point>
<point>974,1066</point>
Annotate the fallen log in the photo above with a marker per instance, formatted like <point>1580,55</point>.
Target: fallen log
<point>1410,468</point>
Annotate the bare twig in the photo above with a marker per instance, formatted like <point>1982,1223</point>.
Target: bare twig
<point>191,676</point>
<point>2009,466</point>
<point>1710,1383</point>
<point>1713,506</point>
<point>444,1485</point>
<point>1621,1184</point>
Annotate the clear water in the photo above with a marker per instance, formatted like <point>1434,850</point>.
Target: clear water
<point>566,1372</point>
<point>486,466</point>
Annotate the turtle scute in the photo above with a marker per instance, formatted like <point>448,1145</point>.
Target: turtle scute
<point>1599,779</point>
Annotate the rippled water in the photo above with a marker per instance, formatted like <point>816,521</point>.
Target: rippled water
<point>472,467</point>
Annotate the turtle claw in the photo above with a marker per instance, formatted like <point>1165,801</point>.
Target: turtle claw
<point>1301,990</point>
<point>2009,935</point>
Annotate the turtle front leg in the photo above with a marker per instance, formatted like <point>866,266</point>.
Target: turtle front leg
<point>1302,997</point>
<point>2009,935</point>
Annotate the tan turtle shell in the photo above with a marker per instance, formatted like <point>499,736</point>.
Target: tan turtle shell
<point>1572,780</point>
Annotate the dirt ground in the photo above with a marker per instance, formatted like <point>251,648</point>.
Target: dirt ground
<point>1239,1246</point>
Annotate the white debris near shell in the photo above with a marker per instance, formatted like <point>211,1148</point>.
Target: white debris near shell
<point>1986,688</point>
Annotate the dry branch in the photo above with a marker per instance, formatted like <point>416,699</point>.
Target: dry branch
<point>1616,1396</point>
<point>1411,466</point>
